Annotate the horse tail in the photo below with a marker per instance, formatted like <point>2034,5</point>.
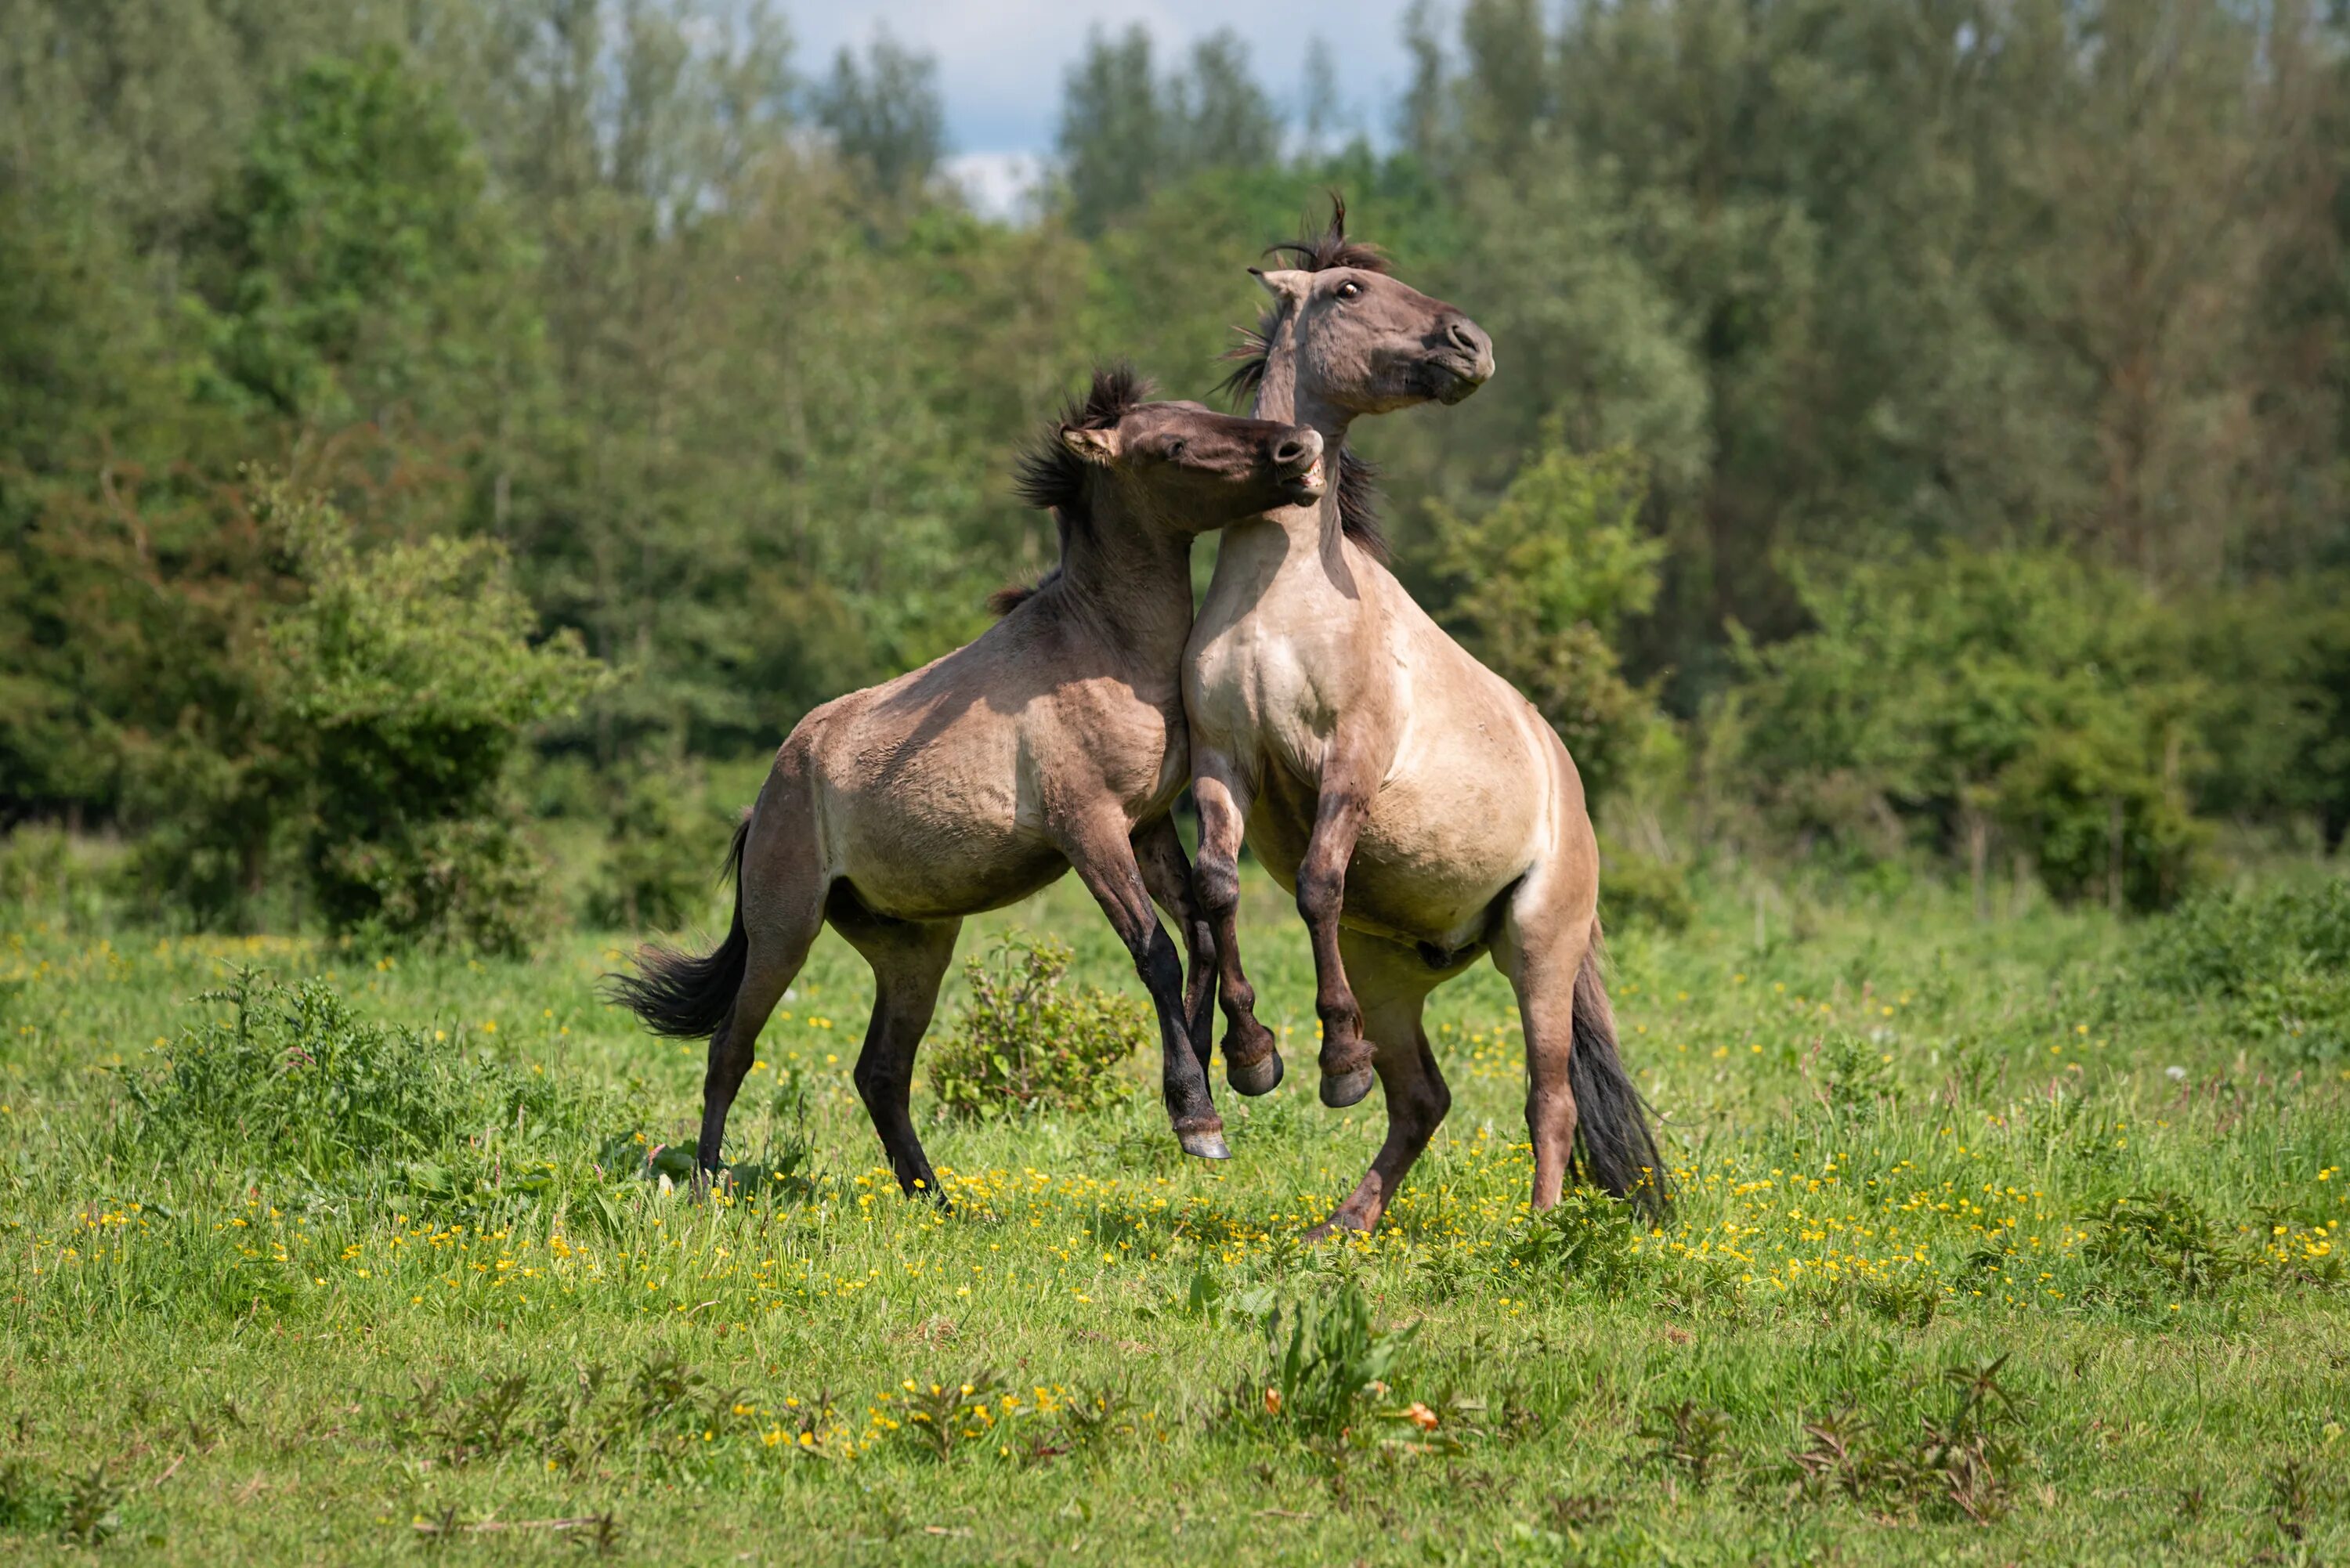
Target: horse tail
<point>678,995</point>
<point>1615,1145</point>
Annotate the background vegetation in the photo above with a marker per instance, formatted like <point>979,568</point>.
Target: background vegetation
<point>1920,435</point>
<point>444,444</point>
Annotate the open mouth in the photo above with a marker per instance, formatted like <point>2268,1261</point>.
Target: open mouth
<point>1311,482</point>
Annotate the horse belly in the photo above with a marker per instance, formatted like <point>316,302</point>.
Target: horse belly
<point>940,827</point>
<point>1458,821</point>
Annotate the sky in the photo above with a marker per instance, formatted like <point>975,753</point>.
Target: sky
<point>1001,61</point>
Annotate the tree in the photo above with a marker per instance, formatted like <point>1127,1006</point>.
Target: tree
<point>355,270</point>
<point>886,114</point>
<point>1540,586</point>
<point>1113,130</point>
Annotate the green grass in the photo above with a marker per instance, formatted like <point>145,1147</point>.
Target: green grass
<point>412,1298</point>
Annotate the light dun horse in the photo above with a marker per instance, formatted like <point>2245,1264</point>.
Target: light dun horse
<point>1054,740</point>
<point>1420,809</point>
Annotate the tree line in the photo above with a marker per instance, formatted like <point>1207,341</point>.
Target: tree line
<point>1920,427</point>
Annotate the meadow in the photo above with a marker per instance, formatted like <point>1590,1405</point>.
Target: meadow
<point>1996,1241</point>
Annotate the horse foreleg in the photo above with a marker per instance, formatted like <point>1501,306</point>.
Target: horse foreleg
<point>1105,861</point>
<point>1252,1055</point>
<point>1166,872</point>
<point>1346,1056</point>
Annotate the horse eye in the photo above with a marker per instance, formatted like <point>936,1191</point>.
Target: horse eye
<point>1177,450</point>
<point>1349,289</point>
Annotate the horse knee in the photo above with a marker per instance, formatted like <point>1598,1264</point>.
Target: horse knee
<point>1216,882</point>
<point>1320,896</point>
<point>882,1084</point>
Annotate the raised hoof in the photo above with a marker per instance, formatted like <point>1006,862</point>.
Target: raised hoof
<point>1205,1145</point>
<point>1261,1076</point>
<point>1340,1090</point>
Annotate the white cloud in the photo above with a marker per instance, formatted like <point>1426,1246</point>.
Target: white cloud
<point>996,184</point>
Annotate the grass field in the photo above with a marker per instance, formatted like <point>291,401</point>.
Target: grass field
<point>2004,1241</point>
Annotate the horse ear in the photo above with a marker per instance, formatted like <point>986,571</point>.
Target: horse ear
<point>1099,447</point>
<point>1288,283</point>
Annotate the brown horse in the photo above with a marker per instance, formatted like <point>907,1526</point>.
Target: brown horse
<point>1054,740</point>
<point>1419,809</point>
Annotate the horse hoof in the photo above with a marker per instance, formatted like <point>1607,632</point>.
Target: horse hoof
<point>1340,1090</point>
<point>1258,1077</point>
<point>1205,1145</point>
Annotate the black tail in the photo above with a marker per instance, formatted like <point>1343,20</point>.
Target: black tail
<point>678,995</point>
<point>1612,1136</point>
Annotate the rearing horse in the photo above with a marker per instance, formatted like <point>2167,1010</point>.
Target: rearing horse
<point>1422,810</point>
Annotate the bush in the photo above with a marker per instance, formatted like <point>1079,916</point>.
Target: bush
<point>295,1084</point>
<point>385,705</point>
<point>2276,963</point>
<point>1029,1040</point>
<point>470,884</point>
<point>2019,697</point>
<point>1331,1370</point>
<point>1639,891</point>
<point>1539,585</point>
<point>657,865</point>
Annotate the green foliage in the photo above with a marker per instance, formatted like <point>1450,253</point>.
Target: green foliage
<point>2020,691</point>
<point>296,1088</point>
<point>1332,1370</point>
<point>1030,1040</point>
<point>2163,1237</point>
<point>1126,130</point>
<point>1587,1238</point>
<point>885,113</point>
<point>657,873</point>
<point>2275,962</point>
<point>1539,585</point>
<point>356,266</point>
<point>1641,890</point>
<point>406,681</point>
<point>2274,715</point>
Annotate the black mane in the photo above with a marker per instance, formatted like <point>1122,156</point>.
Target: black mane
<point>1358,495</point>
<point>1052,477</point>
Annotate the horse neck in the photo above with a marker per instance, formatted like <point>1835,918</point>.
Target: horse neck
<point>1132,579</point>
<point>1255,550</point>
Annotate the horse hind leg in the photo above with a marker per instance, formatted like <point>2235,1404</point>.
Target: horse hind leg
<point>1253,1062</point>
<point>1166,872</point>
<point>1105,860</point>
<point>1392,997</point>
<point>728,993</point>
<point>1578,1094</point>
<point>909,961</point>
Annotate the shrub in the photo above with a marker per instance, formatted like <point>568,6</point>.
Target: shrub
<point>2276,961</point>
<point>2019,696</point>
<point>1589,1240</point>
<point>407,681</point>
<point>471,883</point>
<point>1030,1040</point>
<point>1538,587</point>
<point>294,1083</point>
<point>1640,890</point>
<point>657,868</point>
<point>1332,1368</point>
<point>382,711</point>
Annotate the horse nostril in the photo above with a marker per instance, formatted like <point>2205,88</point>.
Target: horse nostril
<point>1465,336</point>
<point>1290,451</point>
